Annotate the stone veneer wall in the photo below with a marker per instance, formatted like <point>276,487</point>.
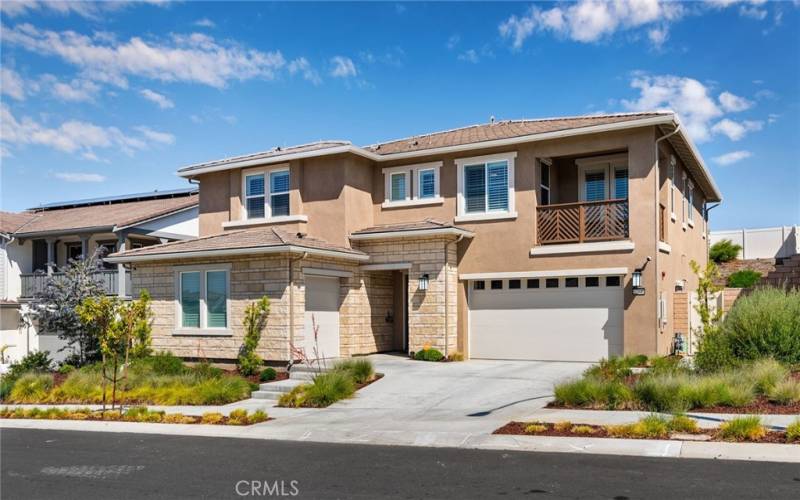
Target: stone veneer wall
<point>366,299</point>
<point>426,311</point>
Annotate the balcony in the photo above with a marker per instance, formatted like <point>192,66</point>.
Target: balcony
<point>584,222</point>
<point>108,279</point>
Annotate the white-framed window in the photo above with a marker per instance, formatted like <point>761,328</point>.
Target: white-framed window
<point>690,202</point>
<point>603,177</point>
<point>486,187</point>
<point>683,199</point>
<point>266,192</point>
<point>672,163</point>
<point>412,185</point>
<point>203,298</point>
<point>544,181</point>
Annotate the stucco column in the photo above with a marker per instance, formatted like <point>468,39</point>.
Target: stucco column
<point>121,239</point>
<point>51,255</point>
<point>85,246</point>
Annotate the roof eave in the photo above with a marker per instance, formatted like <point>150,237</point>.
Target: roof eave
<point>157,217</point>
<point>384,235</point>
<point>227,252</point>
<point>717,195</point>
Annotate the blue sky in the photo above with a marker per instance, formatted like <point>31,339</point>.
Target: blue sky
<point>107,99</point>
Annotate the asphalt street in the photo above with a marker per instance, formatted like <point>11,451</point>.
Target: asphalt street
<point>81,465</point>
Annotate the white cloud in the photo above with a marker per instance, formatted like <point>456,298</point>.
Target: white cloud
<point>589,21</point>
<point>89,10</point>
<point>753,13</point>
<point>11,84</point>
<point>77,90</point>
<point>772,118</point>
<point>658,36</point>
<point>736,130</point>
<point>732,157</point>
<point>74,136</point>
<point>161,100</point>
<point>686,96</point>
<point>453,41</point>
<point>195,58</point>
<point>155,136</point>
<point>303,67</point>
<point>343,67</point>
<point>205,23</point>
<point>79,177</point>
<point>469,56</point>
<point>734,103</point>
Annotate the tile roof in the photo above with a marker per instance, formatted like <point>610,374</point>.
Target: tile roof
<point>11,222</point>
<point>265,155</point>
<point>104,215</point>
<point>427,224</point>
<point>257,238</point>
<point>501,130</point>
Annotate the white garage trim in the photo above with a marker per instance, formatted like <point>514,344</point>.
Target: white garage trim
<point>391,266</point>
<point>602,271</point>
<point>599,246</point>
<point>333,273</point>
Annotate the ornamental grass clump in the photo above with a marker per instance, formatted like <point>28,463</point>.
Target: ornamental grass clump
<point>212,417</point>
<point>583,430</point>
<point>765,374</point>
<point>682,423</point>
<point>662,393</point>
<point>329,388</point>
<point>535,428</point>
<point>650,427</point>
<point>742,429</point>
<point>593,393</point>
<point>785,392</point>
<point>360,369</point>
<point>31,388</point>
<point>793,432</point>
<point>238,417</point>
<point>563,426</point>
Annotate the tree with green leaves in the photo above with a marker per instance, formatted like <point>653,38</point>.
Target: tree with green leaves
<point>707,289</point>
<point>255,318</point>
<point>54,307</point>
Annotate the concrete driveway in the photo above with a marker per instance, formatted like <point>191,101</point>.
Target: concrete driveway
<point>450,401</point>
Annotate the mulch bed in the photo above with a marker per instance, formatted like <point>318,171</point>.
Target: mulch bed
<point>254,379</point>
<point>113,416</point>
<point>518,429</point>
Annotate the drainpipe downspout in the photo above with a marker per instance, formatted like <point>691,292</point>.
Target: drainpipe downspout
<point>708,233</point>
<point>291,299</point>
<point>655,230</point>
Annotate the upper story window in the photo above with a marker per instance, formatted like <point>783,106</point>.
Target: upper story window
<point>486,187</point>
<point>671,171</point>
<point>690,202</point>
<point>412,185</point>
<point>684,211</point>
<point>266,193</point>
<point>544,182</point>
<point>603,178</point>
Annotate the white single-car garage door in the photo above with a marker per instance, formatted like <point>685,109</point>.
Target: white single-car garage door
<point>322,311</point>
<point>552,319</point>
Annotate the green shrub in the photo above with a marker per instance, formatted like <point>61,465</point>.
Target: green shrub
<point>793,432</point>
<point>80,386</point>
<point>267,374</point>
<point>535,428</point>
<point>6,384</point>
<point>294,398</point>
<point>36,361</point>
<point>329,388</point>
<point>204,369</point>
<point>238,417</point>
<point>745,278</point>
<point>613,368</point>
<point>742,429</point>
<point>785,392</point>
<point>667,365</point>
<point>162,363</point>
<point>724,251</point>
<point>662,393</point>
<point>764,323</point>
<point>255,317</point>
<point>428,354</point>
<point>31,388</point>
<point>682,423</point>
<point>650,427</point>
<point>66,369</point>
<point>594,393</point>
<point>765,374</point>
<point>258,416</point>
<point>360,369</point>
<point>220,391</point>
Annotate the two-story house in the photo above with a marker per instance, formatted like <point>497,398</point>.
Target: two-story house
<point>36,245</point>
<point>554,239</point>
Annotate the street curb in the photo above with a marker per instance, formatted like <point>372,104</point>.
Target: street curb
<point>761,452</point>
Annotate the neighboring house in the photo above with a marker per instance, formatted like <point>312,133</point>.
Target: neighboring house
<point>512,239</point>
<point>39,242</point>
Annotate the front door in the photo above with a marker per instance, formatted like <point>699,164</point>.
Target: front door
<point>321,329</point>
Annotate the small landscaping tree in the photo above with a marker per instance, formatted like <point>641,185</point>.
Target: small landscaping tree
<point>55,307</point>
<point>746,278</point>
<point>255,317</point>
<point>724,251</point>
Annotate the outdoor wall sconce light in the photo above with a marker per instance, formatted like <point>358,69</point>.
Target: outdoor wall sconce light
<point>423,282</point>
<point>636,282</point>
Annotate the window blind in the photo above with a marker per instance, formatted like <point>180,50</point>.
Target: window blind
<point>216,299</point>
<point>398,187</point>
<point>475,188</point>
<point>190,300</point>
<point>427,184</point>
<point>621,183</point>
<point>279,193</point>
<point>498,185</point>
<point>595,186</point>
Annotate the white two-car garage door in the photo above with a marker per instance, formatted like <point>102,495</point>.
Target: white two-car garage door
<point>552,319</point>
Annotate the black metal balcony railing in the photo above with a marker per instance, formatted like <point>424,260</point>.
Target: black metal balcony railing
<point>109,278</point>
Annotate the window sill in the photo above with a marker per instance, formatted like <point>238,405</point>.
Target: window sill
<point>664,247</point>
<point>203,332</point>
<point>594,247</point>
<point>265,221</point>
<point>413,203</point>
<point>486,216</point>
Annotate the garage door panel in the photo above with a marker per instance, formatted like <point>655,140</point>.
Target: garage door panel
<point>558,325</point>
